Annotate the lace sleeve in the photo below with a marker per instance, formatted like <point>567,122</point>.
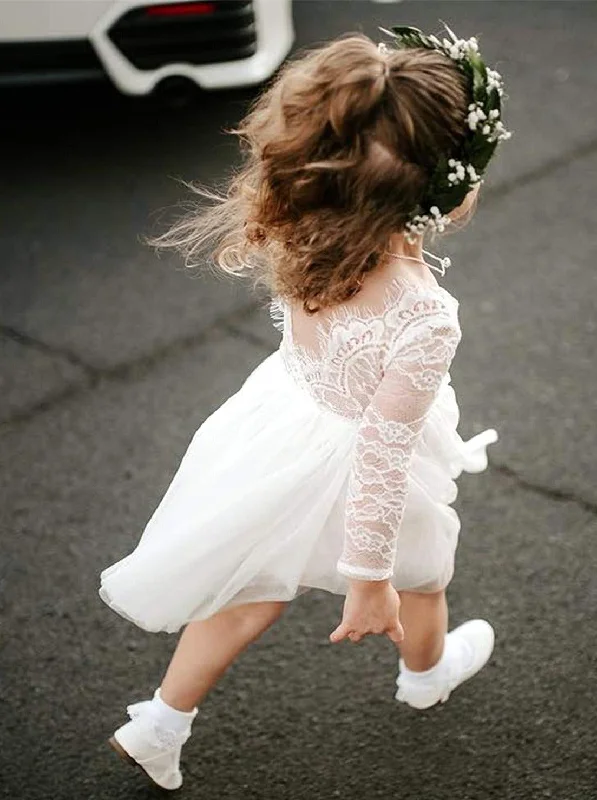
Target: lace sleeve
<point>277,313</point>
<point>386,438</point>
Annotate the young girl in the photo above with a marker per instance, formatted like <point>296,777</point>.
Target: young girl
<point>333,467</point>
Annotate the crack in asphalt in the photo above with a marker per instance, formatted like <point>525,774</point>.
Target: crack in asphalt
<point>551,492</point>
<point>47,403</point>
<point>545,169</point>
<point>131,370</point>
<point>48,349</point>
<point>245,335</point>
<point>146,362</point>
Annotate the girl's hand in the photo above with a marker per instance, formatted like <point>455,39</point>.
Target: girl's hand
<point>370,607</point>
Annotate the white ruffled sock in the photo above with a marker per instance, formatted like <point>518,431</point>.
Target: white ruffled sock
<point>171,719</point>
<point>428,676</point>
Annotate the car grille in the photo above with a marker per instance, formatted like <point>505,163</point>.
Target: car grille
<point>47,60</point>
<point>187,32</point>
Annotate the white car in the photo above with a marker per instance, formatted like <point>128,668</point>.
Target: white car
<point>139,44</point>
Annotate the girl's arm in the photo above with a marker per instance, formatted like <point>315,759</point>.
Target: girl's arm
<point>378,483</point>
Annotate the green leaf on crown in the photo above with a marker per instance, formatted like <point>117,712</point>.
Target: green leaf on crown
<point>476,150</point>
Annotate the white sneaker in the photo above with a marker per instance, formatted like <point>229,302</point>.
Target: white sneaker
<point>467,650</point>
<point>142,742</point>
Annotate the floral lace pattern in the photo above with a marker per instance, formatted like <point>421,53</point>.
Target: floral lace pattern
<point>381,368</point>
<point>163,738</point>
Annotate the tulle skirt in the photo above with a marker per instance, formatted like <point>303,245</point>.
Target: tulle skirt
<point>256,509</point>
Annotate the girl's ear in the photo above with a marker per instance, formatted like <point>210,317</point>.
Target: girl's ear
<point>466,209</point>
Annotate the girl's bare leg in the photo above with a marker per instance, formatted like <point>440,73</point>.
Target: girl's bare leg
<point>425,621</point>
<point>207,648</point>
<point>435,663</point>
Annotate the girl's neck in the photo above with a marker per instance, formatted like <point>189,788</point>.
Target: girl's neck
<point>409,259</point>
<point>401,248</point>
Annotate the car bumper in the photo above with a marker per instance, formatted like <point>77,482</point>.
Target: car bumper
<point>136,52</point>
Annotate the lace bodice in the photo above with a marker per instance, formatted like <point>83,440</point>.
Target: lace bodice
<point>380,366</point>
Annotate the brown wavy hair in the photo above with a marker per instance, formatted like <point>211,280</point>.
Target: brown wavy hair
<point>338,154</point>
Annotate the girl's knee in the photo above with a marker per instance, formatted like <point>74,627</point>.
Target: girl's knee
<point>256,617</point>
<point>423,593</point>
<point>432,597</point>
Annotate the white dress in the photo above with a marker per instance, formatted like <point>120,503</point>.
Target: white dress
<point>335,459</point>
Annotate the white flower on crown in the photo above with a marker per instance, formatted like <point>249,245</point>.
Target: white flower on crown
<point>499,133</point>
<point>461,172</point>
<point>490,124</point>
<point>494,81</point>
<point>475,115</point>
<point>477,119</point>
<point>434,221</point>
<point>457,49</point>
<point>474,178</point>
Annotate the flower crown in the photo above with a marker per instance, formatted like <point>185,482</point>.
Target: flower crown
<point>455,176</point>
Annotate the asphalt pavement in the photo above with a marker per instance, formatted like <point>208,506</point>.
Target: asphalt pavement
<point>111,358</point>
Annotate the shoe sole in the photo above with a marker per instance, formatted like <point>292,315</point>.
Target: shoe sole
<point>119,750</point>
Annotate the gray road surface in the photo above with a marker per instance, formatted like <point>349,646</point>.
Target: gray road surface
<point>111,359</point>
